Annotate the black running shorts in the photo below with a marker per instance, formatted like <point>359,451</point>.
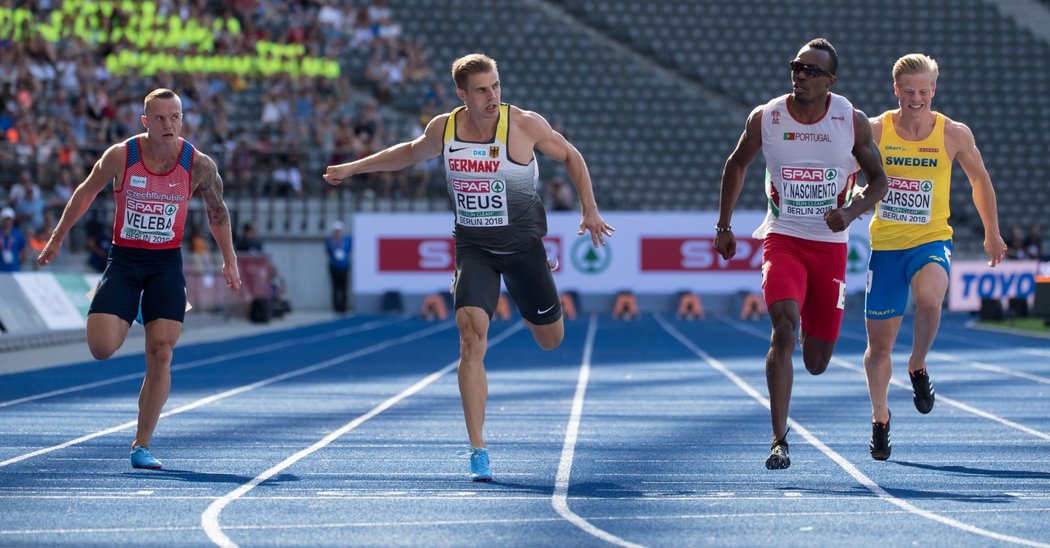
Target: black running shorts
<point>526,275</point>
<point>156,275</point>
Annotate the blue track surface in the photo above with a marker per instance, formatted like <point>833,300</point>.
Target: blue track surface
<point>650,432</point>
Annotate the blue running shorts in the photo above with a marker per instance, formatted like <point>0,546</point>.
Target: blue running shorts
<point>890,274</point>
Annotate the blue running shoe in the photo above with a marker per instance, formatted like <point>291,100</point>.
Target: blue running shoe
<point>479,465</point>
<point>141,458</point>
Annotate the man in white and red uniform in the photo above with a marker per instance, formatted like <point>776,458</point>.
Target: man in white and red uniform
<point>812,141</point>
<point>154,174</point>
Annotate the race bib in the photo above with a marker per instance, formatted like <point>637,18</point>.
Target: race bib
<point>808,191</point>
<point>907,201</point>
<point>148,221</point>
<point>480,203</point>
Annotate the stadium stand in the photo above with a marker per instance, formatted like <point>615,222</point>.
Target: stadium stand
<point>993,71</point>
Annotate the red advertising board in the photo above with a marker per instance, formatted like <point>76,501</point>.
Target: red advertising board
<point>695,254</point>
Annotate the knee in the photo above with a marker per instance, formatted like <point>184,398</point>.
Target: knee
<point>818,365</point>
<point>101,350</point>
<point>783,336</point>
<point>928,306</point>
<point>550,342</point>
<point>472,342</point>
<point>102,347</point>
<point>163,354</point>
<point>548,336</point>
<point>876,355</point>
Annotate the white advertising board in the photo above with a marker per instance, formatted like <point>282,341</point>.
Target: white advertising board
<point>49,299</point>
<point>651,252</point>
<point>972,281</point>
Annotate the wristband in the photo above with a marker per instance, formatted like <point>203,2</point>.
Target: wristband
<point>719,229</point>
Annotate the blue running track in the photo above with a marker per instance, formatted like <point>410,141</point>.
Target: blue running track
<point>633,433</point>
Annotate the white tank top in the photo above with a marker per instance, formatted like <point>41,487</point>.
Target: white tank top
<point>494,197</point>
<point>809,169</point>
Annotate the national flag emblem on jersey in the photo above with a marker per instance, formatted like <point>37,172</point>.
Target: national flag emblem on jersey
<point>493,152</point>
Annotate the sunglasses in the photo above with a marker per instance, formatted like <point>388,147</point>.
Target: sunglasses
<point>813,71</point>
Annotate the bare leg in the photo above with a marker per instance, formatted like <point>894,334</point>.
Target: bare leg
<point>105,334</point>
<point>473,325</point>
<point>928,287</point>
<point>784,316</point>
<point>548,336</point>
<point>878,364</point>
<point>816,353</point>
<point>161,336</point>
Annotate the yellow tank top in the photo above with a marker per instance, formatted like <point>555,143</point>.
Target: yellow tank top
<point>915,209</point>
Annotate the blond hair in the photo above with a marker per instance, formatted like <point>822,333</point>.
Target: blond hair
<point>915,63</point>
<point>159,93</point>
<point>469,65</point>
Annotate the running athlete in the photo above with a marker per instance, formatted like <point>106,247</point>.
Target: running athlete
<point>154,174</point>
<point>911,241</point>
<point>812,141</point>
<point>488,151</point>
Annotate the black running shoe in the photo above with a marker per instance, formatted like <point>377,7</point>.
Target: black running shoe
<point>922,391</point>
<point>880,440</point>
<point>778,455</point>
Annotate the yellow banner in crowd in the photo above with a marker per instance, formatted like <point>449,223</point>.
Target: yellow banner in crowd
<point>159,40</point>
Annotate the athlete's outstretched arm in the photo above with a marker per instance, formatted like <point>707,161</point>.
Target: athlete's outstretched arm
<point>554,145</point>
<point>397,157</point>
<point>108,167</point>
<point>207,181</point>
<point>733,180</point>
<point>867,154</point>
<point>962,140</point>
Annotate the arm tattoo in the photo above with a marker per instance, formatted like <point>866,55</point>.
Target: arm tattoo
<point>209,184</point>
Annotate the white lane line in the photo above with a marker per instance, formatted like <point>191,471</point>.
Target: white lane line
<point>1032,336</point>
<point>519,495</point>
<point>206,361</point>
<point>240,390</point>
<point>838,459</point>
<point>988,367</point>
<point>1008,372</point>
<point>510,521</point>
<point>952,402</point>
<point>953,358</point>
<point>559,499</point>
<point>907,386</point>
<point>210,516</point>
<point>950,336</point>
<point>944,356</point>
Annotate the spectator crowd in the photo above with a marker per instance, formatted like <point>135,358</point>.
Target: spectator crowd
<point>61,105</point>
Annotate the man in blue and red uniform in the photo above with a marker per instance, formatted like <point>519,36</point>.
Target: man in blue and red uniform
<point>154,174</point>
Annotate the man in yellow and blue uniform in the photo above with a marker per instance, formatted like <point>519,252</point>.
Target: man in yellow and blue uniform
<point>911,240</point>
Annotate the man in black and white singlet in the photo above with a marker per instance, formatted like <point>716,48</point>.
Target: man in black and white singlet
<point>488,151</point>
<point>812,140</point>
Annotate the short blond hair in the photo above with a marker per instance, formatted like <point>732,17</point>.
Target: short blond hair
<point>159,93</point>
<point>469,65</point>
<point>915,63</point>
